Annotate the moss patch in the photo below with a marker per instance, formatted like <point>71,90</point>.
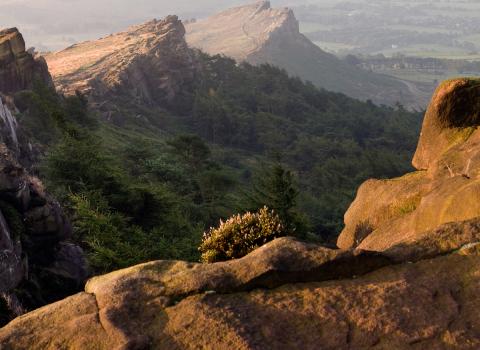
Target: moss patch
<point>461,107</point>
<point>407,206</point>
<point>462,134</point>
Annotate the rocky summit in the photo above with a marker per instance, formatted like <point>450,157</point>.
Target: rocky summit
<point>148,63</point>
<point>407,276</point>
<point>19,68</point>
<point>258,33</point>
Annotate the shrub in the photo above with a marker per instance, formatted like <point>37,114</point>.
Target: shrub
<point>362,230</point>
<point>240,235</point>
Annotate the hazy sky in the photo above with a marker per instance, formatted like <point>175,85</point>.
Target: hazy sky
<point>55,24</point>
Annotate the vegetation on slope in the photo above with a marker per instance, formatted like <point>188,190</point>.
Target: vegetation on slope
<point>331,142</point>
<point>240,138</point>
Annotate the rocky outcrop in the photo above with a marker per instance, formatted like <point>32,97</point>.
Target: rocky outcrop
<point>444,189</point>
<point>258,33</point>
<point>19,69</point>
<point>241,31</point>
<point>286,294</point>
<point>149,64</point>
<point>37,264</point>
<point>33,234</point>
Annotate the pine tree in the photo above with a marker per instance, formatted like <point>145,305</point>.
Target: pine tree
<point>275,188</point>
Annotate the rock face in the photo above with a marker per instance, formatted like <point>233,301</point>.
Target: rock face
<point>149,63</point>
<point>11,264</point>
<point>258,34</point>
<point>8,128</point>
<point>33,230</point>
<point>34,254</point>
<point>242,31</point>
<point>444,189</point>
<point>19,68</point>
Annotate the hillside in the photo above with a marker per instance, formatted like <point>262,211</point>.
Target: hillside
<point>150,86</point>
<point>409,289</point>
<point>258,33</point>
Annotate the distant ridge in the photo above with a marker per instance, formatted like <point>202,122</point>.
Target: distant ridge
<point>148,63</point>
<point>258,33</point>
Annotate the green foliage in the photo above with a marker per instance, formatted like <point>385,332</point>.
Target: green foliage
<point>78,164</point>
<point>46,116</point>
<point>330,141</point>
<point>112,242</point>
<point>191,148</point>
<point>147,190</point>
<point>275,188</point>
<point>76,111</point>
<point>240,235</point>
<point>42,113</point>
<point>122,219</point>
<point>123,213</point>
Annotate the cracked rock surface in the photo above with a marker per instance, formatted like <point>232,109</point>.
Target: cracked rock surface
<point>18,68</point>
<point>285,295</point>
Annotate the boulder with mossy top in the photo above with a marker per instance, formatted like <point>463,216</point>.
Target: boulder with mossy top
<point>444,189</point>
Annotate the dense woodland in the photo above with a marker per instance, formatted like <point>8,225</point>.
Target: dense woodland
<point>239,138</point>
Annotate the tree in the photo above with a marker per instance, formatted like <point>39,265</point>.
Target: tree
<point>191,149</point>
<point>275,188</point>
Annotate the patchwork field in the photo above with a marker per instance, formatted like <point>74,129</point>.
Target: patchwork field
<point>424,28</point>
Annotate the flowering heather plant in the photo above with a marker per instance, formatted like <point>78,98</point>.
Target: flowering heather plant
<point>240,235</point>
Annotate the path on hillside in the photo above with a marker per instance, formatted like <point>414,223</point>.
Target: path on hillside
<point>421,95</point>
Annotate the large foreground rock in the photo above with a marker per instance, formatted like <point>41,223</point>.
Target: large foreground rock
<point>285,295</point>
<point>445,188</point>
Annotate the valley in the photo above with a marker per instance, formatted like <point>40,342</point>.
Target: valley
<point>252,177</point>
<point>421,42</point>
